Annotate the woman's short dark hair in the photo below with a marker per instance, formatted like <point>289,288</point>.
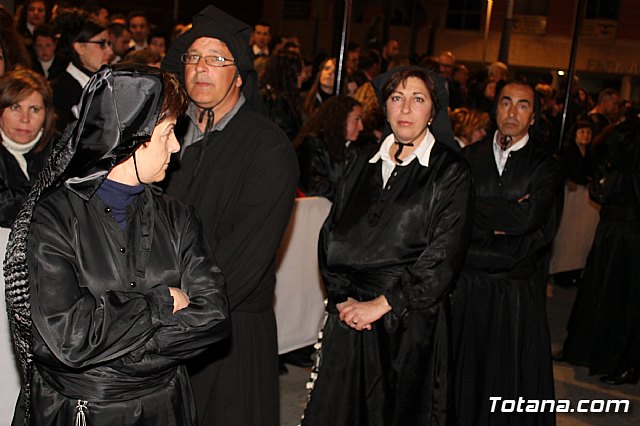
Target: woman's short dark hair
<point>175,100</point>
<point>17,85</point>
<point>582,123</point>
<point>401,77</point>
<point>75,25</point>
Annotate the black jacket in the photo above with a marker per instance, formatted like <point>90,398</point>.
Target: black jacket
<point>58,66</point>
<point>14,185</point>
<point>102,313</point>
<point>319,173</point>
<point>66,94</point>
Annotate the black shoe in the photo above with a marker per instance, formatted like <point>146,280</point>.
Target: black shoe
<point>631,375</point>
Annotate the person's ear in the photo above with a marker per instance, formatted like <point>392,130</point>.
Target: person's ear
<point>79,47</point>
<point>238,81</point>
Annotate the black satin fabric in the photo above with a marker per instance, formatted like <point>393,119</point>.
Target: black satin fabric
<point>283,112</point>
<point>603,327</point>
<point>66,93</point>
<point>405,241</point>
<point>104,330</point>
<point>14,185</point>
<point>575,167</point>
<point>500,333</point>
<point>319,173</point>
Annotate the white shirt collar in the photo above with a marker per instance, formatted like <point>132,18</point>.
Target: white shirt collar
<point>45,66</point>
<point>501,155</point>
<point>78,75</point>
<point>137,46</point>
<point>422,151</point>
<point>515,147</point>
<point>258,51</point>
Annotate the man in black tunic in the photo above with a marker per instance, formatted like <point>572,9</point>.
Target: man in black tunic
<point>239,171</point>
<point>500,331</point>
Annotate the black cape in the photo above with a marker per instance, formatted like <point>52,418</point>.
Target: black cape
<point>104,331</point>
<point>242,182</point>
<point>405,241</point>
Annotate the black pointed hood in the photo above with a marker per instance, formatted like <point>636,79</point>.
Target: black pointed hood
<point>118,111</point>
<point>214,23</point>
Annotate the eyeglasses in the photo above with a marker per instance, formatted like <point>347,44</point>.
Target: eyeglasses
<point>102,43</point>
<point>214,61</point>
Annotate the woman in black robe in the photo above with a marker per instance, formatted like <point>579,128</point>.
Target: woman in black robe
<point>389,252</point>
<point>110,285</point>
<point>603,328</point>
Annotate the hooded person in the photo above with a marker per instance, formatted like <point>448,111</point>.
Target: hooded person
<point>110,285</point>
<point>239,171</point>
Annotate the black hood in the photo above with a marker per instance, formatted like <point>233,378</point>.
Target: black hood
<point>214,23</point>
<point>117,112</point>
<point>441,124</point>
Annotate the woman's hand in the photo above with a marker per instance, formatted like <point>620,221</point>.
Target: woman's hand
<point>360,315</point>
<point>180,299</point>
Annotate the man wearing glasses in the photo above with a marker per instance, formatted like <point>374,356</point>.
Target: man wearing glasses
<point>239,171</point>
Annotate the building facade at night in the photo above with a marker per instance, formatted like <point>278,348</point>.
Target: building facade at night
<point>608,52</point>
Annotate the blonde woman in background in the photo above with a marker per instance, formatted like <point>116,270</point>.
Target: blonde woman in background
<point>469,126</point>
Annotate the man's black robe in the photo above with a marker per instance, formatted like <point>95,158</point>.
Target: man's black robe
<point>500,331</point>
<point>242,181</point>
